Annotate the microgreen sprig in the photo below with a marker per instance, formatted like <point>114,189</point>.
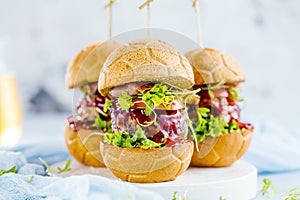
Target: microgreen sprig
<point>215,86</point>
<point>106,108</point>
<point>268,188</point>
<point>148,111</point>
<point>107,105</point>
<point>159,94</point>
<point>234,95</point>
<point>30,179</point>
<point>66,167</point>
<point>292,194</point>
<point>59,169</point>
<point>125,100</point>
<point>175,197</point>
<point>14,169</point>
<point>49,170</point>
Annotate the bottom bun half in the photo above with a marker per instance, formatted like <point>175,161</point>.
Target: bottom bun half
<point>147,165</point>
<point>88,153</point>
<point>222,151</point>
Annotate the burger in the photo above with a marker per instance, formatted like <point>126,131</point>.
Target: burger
<point>91,117</point>
<point>147,81</point>
<point>221,137</point>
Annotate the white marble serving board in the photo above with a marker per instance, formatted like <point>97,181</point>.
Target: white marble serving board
<point>237,182</point>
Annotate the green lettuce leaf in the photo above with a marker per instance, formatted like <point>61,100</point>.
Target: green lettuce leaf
<point>102,124</point>
<point>209,125</point>
<point>125,140</point>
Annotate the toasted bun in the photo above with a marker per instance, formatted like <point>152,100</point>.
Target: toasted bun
<point>145,61</point>
<point>147,165</point>
<point>86,65</point>
<point>213,66</point>
<point>88,153</point>
<point>227,149</point>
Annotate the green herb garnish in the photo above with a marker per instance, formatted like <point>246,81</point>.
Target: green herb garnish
<point>66,167</point>
<point>14,169</point>
<point>154,97</point>
<point>59,170</point>
<point>222,198</point>
<point>107,105</point>
<point>30,179</point>
<point>292,195</point>
<point>175,197</point>
<point>234,95</point>
<point>267,188</point>
<point>158,95</point>
<point>128,196</point>
<point>232,127</point>
<point>46,165</point>
<point>125,100</point>
<point>125,140</point>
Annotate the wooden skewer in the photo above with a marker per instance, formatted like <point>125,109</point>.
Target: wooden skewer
<point>197,12</point>
<point>147,3</point>
<point>109,6</point>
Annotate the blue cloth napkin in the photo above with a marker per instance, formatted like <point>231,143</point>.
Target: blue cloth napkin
<point>52,151</point>
<point>9,160</point>
<point>16,186</point>
<point>28,184</point>
<point>274,148</point>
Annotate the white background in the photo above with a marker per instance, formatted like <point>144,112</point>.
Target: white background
<point>41,37</point>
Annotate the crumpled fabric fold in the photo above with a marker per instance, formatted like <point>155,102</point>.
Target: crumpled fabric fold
<point>28,184</point>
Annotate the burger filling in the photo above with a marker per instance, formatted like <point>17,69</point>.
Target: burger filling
<point>148,115</point>
<point>217,112</point>
<point>92,111</point>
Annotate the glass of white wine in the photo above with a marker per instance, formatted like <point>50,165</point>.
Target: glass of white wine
<point>10,111</point>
